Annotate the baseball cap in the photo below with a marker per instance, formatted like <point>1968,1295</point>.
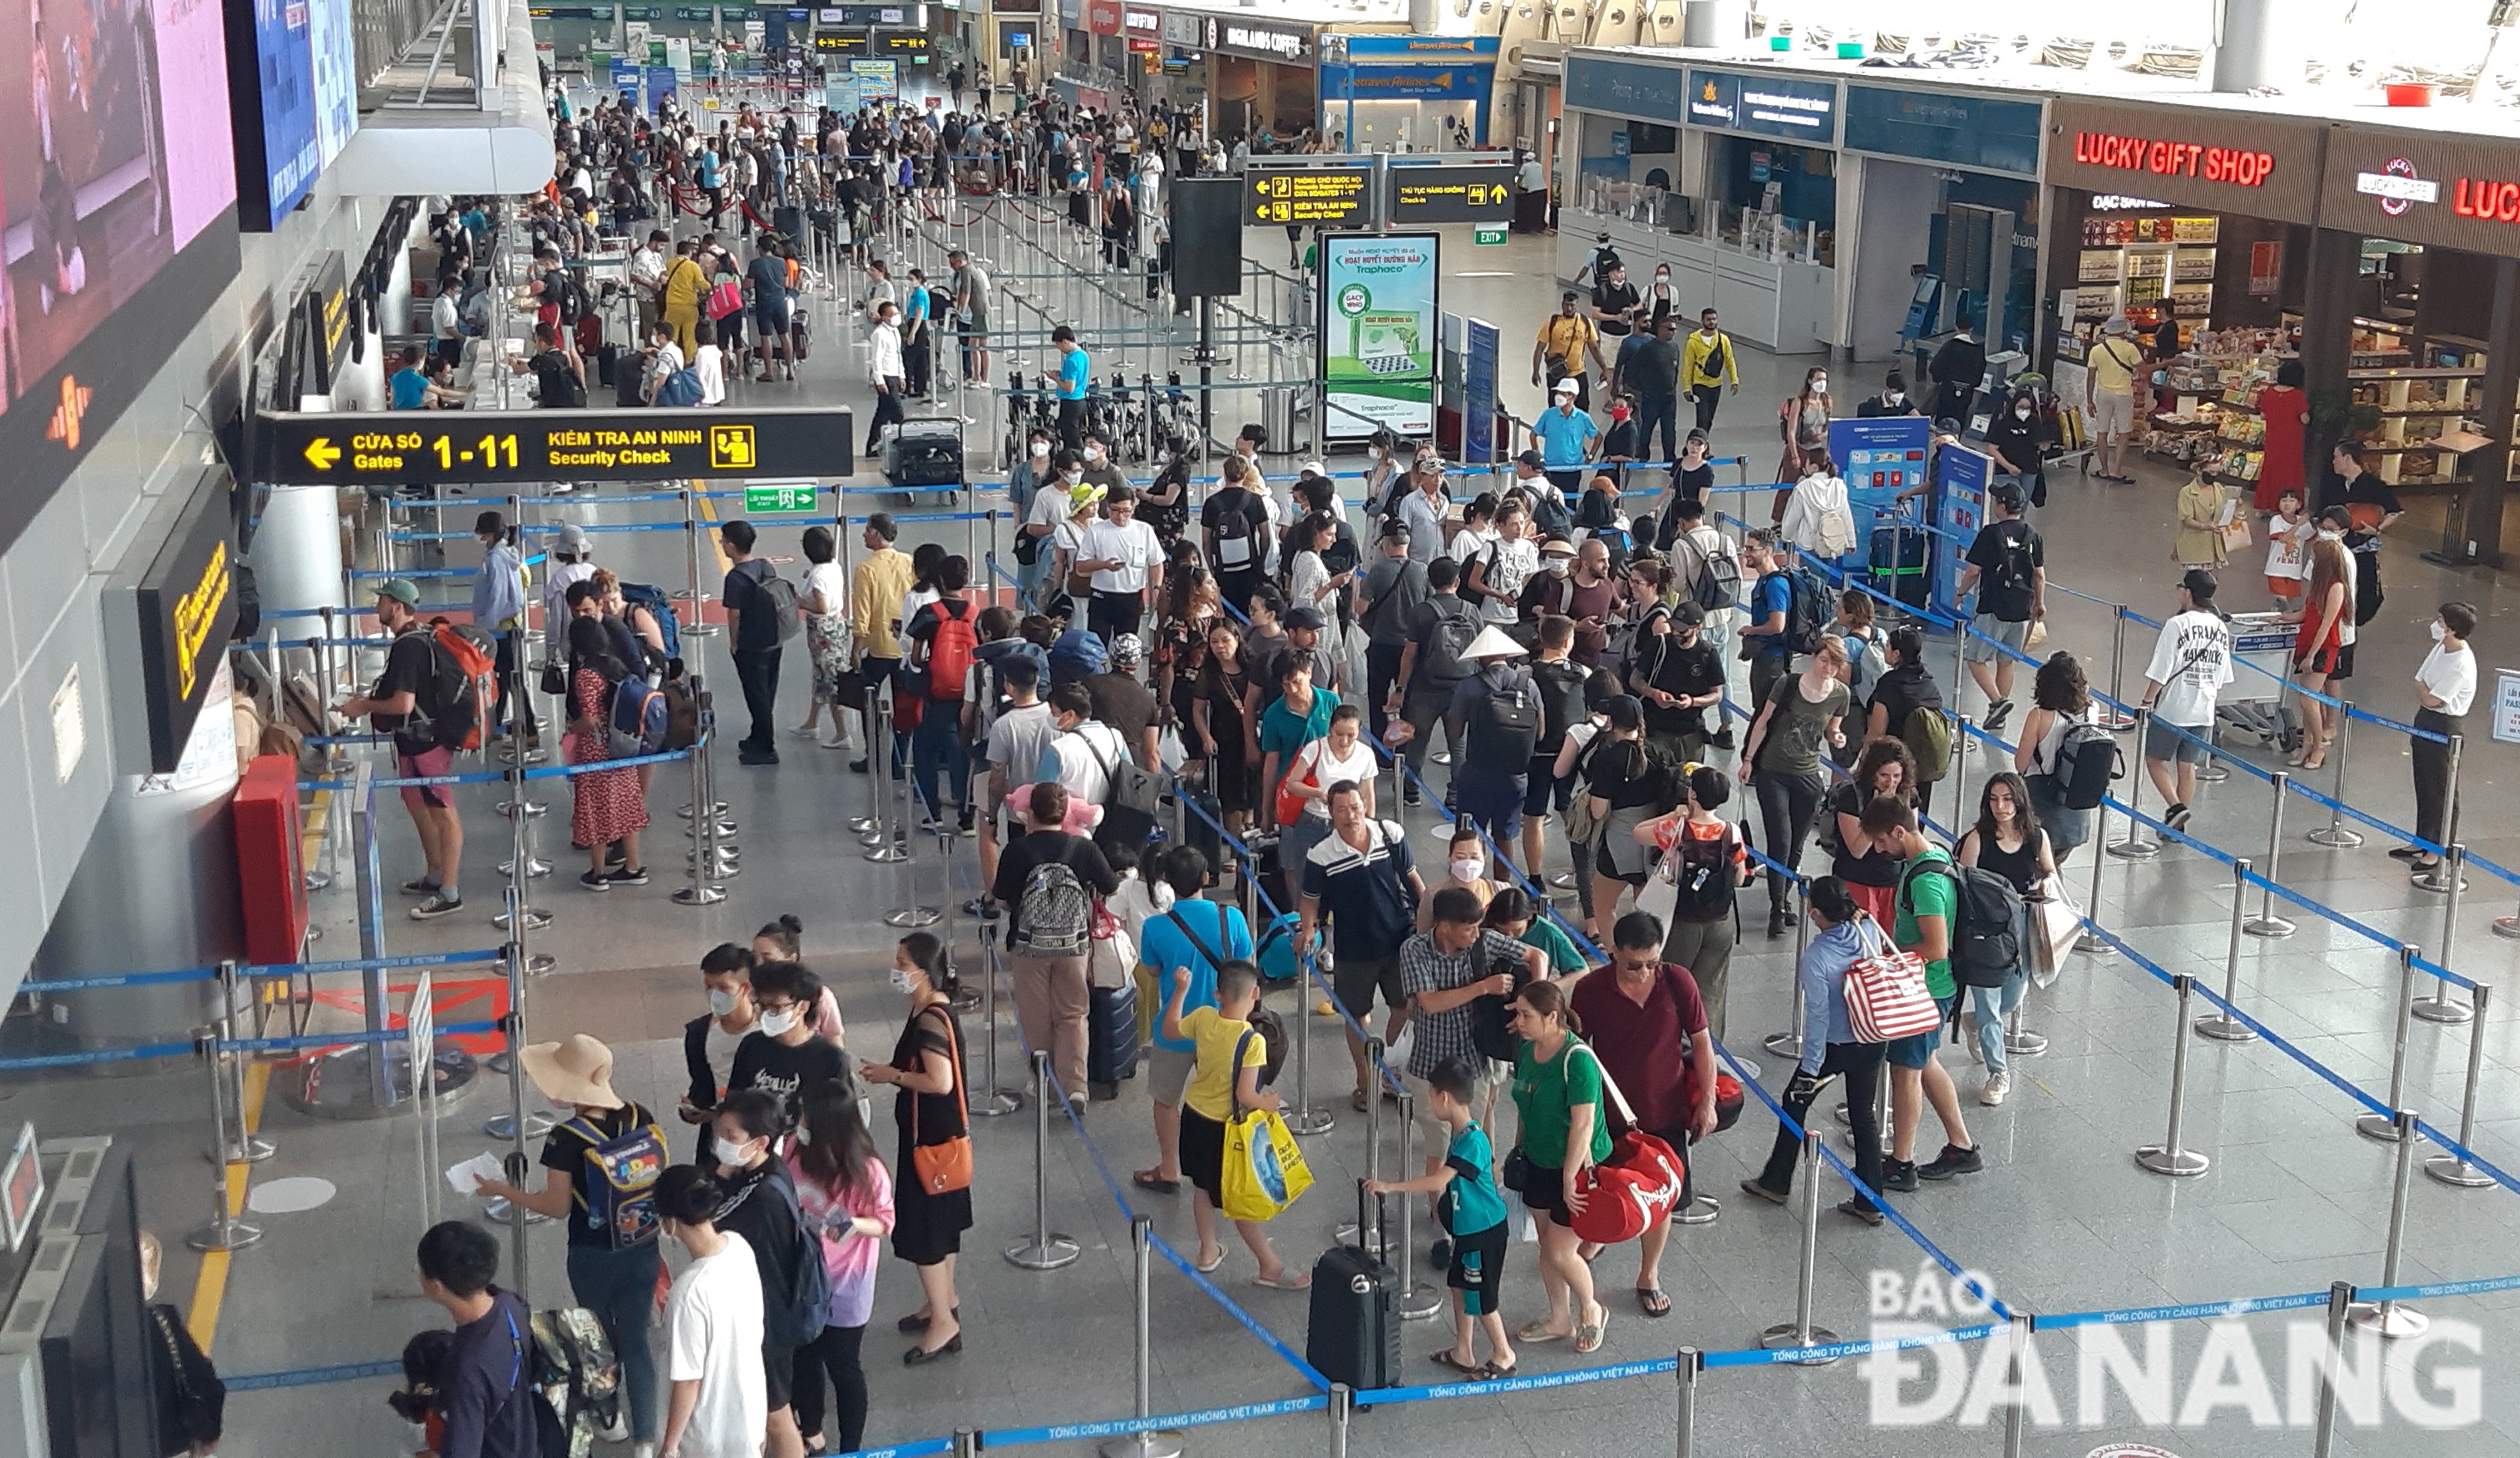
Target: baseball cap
<point>1127,652</point>
<point>1304,615</point>
<point>1688,614</point>
<point>1567,386</point>
<point>1395,531</point>
<point>2199,585</point>
<point>401,590</point>
<point>1533,458</point>
<point>1312,468</point>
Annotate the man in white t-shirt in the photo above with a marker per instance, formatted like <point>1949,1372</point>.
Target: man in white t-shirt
<point>2191,661</point>
<point>1084,752</point>
<point>1127,561</point>
<point>2445,688</point>
<point>719,1401</point>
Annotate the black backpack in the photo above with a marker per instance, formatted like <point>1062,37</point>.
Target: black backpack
<point>2012,569</point>
<point>1985,938</point>
<point>569,295</point>
<point>1806,610</point>
<point>2086,761</point>
<point>1456,625</point>
<point>1503,737</point>
<point>1704,876</point>
<point>1489,1032</point>
<point>1233,524</point>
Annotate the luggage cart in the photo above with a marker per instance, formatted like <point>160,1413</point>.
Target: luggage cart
<point>2256,704</point>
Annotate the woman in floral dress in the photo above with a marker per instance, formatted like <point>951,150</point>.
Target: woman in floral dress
<point>609,806</point>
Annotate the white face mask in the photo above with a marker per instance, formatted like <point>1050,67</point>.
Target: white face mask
<point>1094,453</point>
<point>1039,448</point>
<point>1466,871</point>
<point>2437,630</point>
<point>1072,475</point>
<point>1820,386</point>
<point>781,1023</point>
<point>2020,412</point>
<point>727,1152</point>
<point>1375,451</point>
<point>804,1136</point>
<point>1897,397</point>
<point>900,979</point>
<point>1559,566</point>
<point>721,1003</point>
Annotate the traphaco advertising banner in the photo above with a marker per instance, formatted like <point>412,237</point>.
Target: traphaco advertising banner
<point>1378,339</point>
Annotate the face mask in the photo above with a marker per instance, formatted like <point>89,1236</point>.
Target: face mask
<point>1375,451</point>
<point>1559,566</point>
<point>1662,278</point>
<point>1072,477</point>
<point>900,979</point>
<point>1468,870</point>
<point>2020,412</point>
<point>721,1003</point>
<point>1094,453</point>
<point>727,1153</point>
<point>1039,448</point>
<point>779,1024</point>
<point>1897,397</point>
<point>1618,412</point>
<point>2437,630</point>
<point>1820,386</point>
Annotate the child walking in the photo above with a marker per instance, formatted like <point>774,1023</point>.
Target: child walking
<point>1473,1212</point>
<point>1226,1062</point>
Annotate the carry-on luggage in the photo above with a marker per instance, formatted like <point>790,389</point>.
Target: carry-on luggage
<point>1110,1038</point>
<point>925,455</point>
<point>1353,1335</point>
<point>1897,563</point>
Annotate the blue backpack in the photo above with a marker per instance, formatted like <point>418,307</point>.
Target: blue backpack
<point>800,1316</point>
<point>619,1182</point>
<point>651,598</point>
<point>639,720</point>
<point>680,390</point>
<point>1277,949</point>
<point>1077,655</point>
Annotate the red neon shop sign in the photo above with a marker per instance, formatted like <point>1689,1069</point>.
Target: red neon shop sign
<point>2161,158</point>
<point>2493,202</point>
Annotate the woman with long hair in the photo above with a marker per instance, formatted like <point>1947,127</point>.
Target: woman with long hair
<point>2006,839</point>
<point>609,804</point>
<point>1802,717</point>
<point>2320,644</point>
<point>1557,1097</point>
<point>1870,874</point>
<point>1802,421</point>
<point>1628,784</point>
<point>846,1196</point>
<point>2059,699</point>
<point>1840,934</point>
<point>931,1111</point>
<point>1226,738</point>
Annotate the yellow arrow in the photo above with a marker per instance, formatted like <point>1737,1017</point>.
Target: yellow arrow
<point>322,453</point>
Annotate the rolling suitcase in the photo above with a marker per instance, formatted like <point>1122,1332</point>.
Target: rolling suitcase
<point>789,222</point>
<point>1353,1333</point>
<point>1896,567</point>
<point>925,455</point>
<point>1110,1038</point>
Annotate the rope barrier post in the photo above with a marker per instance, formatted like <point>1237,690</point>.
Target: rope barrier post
<point>993,1102</point>
<point>1789,1043</point>
<point>2266,923</point>
<point>967,1444</point>
<point>698,628</point>
<point>517,916</point>
<point>534,1121</point>
<point>2016,1404</point>
<point>1148,1443</point>
<point>1301,1117</point>
<point>1343,1401</point>
<point>2384,1127</point>
<point>911,912</point>
<point>2386,1319</point>
<point>224,1232</point>
<point>2110,716</point>
<point>1417,1302</point>
<point>2091,944</point>
<point>2454,1169</point>
<point>1800,1333</point>
<point>231,1142</point>
<point>2335,834</point>
<point>2136,847</point>
<point>2019,1039</point>
<point>1684,1421</point>
<point>2222,1026</point>
<point>1045,1250</point>
<point>519,1129</point>
<point>2340,1302</point>
<point>1959,769</point>
<point>2168,1157</point>
<point>702,891</point>
<point>2442,1004</point>
<point>321,647</point>
<point>2445,876</point>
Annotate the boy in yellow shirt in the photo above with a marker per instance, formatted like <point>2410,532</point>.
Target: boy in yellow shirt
<point>1226,1062</point>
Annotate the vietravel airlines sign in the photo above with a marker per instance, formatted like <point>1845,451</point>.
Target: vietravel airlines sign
<point>2448,192</point>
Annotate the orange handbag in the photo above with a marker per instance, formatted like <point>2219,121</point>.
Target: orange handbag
<point>943,1168</point>
<point>1290,806</point>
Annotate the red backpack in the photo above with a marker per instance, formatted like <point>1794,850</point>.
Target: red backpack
<point>465,684</point>
<point>951,645</point>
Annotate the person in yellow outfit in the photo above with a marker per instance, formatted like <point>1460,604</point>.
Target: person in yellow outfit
<point>1706,361</point>
<point>685,284</point>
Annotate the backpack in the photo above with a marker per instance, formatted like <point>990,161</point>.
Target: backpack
<point>1716,581</point>
<point>680,390</point>
<point>797,1316</point>
<point>570,298</point>
<point>781,594</point>
<point>1503,738</point>
<point>1549,512</point>
<point>620,1181</point>
<point>2012,569</point>
<point>1489,1032</point>
<point>465,683</point>
<point>1927,734</point>
<point>1985,938</point>
<point>1129,798</point>
<point>1275,952</point>
<point>2085,761</point>
<point>640,718</point>
<point>1806,614</point>
<point>1053,916</point>
<point>949,650</point>
<point>1704,878</point>
<point>1077,655</point>
<point>652,598</point>
<point>1456,625</point>
<point>1233,524</point>
<point>1834,531</point>
<point>561,389</point>
<point>575,1378</point>
<point>682,710</point>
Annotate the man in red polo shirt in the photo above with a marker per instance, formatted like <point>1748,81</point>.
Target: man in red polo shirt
<point>1640,1014</point>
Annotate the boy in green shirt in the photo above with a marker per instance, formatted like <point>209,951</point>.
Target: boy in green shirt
<point>1473,1213</point>
<point>1928,902</point>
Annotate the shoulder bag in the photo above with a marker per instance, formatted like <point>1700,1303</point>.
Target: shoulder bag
<point>942,1169</point>
<point>1636,1186</point>
<point>1886,996</point>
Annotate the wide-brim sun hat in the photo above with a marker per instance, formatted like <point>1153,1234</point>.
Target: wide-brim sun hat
<point>1494,642</point>
<point>577,1070</point>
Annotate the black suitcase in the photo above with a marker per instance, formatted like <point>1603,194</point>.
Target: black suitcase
<point>627,378</point>
<point>1353,1335</point>
<point>607,360</point>
<point>1110,1038</point>
<point>788,223</point>
<point>925,455</point>
<point>1897,563</point>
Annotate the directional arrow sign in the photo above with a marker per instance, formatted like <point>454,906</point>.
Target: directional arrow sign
<point>1451,192</point>
<point>322,453</point>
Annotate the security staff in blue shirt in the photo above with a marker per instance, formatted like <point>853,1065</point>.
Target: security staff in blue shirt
<point>918,341</point>
<point>1074,367</point>
<point>1565,434</point>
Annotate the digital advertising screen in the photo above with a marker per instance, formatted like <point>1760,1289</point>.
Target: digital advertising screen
<point>117,181</point>
<point>1378,338</point>
<point>294,97</point>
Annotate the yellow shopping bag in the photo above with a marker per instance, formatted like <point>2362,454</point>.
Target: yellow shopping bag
<point>1264,1171</point>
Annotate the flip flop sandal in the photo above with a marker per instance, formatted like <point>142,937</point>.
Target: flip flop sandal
<point>1148,1179</point>
<point>1653,1301</point>
<point>1211,1265</point>
<point>1590,1334</point>
<point>1301,1281</point>
<point>1475,1371</point>
<point>1496,1373</point>
<point>1539,1331</point>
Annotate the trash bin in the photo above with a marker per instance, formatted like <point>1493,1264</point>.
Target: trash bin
<point>1277,418</point>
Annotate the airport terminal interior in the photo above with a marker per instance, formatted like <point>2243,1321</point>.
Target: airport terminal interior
<point>2015,379</point>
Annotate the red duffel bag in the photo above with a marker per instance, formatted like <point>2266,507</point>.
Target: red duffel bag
<point>1637,1185</point>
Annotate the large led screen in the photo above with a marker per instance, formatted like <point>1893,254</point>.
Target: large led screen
<point>296,99</point>
<point>116,181</point>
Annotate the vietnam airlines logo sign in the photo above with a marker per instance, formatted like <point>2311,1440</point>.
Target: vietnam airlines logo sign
<point>67,414</point>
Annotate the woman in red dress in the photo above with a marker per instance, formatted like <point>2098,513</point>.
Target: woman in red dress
<point>2317,646</point>
<point>609,804</point>
<point>2286,409</point>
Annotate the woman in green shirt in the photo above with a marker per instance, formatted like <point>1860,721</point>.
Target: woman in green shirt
<point>1557,1092</point>
<point>1511,911</point>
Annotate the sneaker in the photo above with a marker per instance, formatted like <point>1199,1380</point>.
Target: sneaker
<point>629,876</point>
<point>1722,739</point>
<point>857,766</point>
<point>1411,798</point>
<point>1952,1161</point>
<point>1861,1209</point>
<point>2176,817</point>
<point>2403,853</point>
<point>419,885</point>
<point>1968,1037</point>
<point>435,906</point>
<point>1997,1084</point>
<point>1440,1256</point>
<point>964,825</point>
<point>1899,1176</point>
<point>596,880</point>
<point>1781,921</point>
<point>1076,1106</point>
<point>756,756</point>
<point>1996,713</point>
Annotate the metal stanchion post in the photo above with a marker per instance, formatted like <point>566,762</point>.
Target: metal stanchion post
<point>1301,1117</point>
<point>1960,742</point>
<point>2016,1403</point>
<point>1342,1400</point>
<point>2095,948</point>
<point>2451,1168</point>
<point>2443,1006</point>
<point>1045,1250</point>
<point>1376,1239</point>
<point>1800,1332</point>
<point>2136,847</point>
<point>1147,1444</point>
<point>2167,1157</point>
<point>2335,834</point>
<point>517,1121</point>
<point>1685,1423</point>
<point>224,1232</point>
<point>2266,923</point>
<point>2107,714</point>
<point>519,915</point>
<point>1789,1043</point>
<point>2222,1026</point>
<point>2382,1126</point>
<point>2331,1356</point>
<point>911,912</point>
<point>1418,1301</point>
<point>2437,881</point>
<point>698,628</point>
<point>2387,1319</point>
<point>993,1102</point>
<point>702,891</point>
<point>231,1142</point>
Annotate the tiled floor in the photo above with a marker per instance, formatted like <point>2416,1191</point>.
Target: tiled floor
<point>2060,1221</point>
